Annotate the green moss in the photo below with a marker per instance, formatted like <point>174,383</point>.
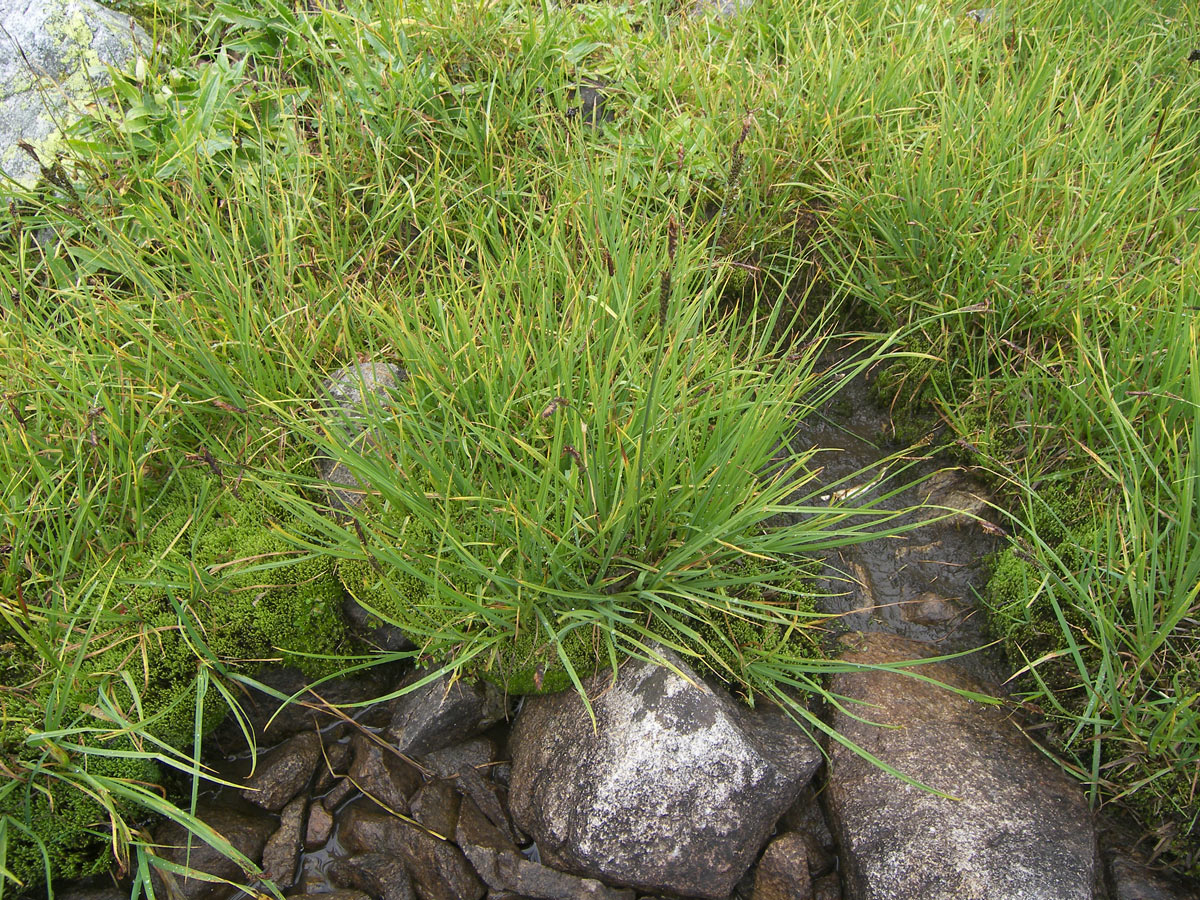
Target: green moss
<point>218,573</point>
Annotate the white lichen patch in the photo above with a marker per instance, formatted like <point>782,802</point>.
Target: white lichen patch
<point>54,59</point>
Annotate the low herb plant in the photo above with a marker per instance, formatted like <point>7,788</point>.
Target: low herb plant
<point>587,456</point>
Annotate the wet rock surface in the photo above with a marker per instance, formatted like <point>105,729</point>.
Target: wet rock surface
<point>281,774</point>
<point>1012,826</point>
<point>675,789</point>
<point>246,829</point>
<point>441,713</point>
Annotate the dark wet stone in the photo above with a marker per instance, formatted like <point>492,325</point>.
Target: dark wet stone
<point>502,867</point>
<point>90,893</point>
<point>782,872</point>
<point>827,887</point>
<point>382,775</point>
<point>1019,830</point>
<point>338,895</point>
<point>957,493</point>
<point>930,609</point>
<point>281,774</point>
<point>435,805</point>
<point>281,855</point>
<point>296,717</point>
<point>319,827</point>
<point>1130,877</point>
<point>442,713</point>
<point>474,754</point>
<point>353,396</point>
<point>806,818</point>
<point>247,830</point>
<point>372,630</point>
<point>592,104</point>
<point>334,764</point>
<point>675,790</point>
<point>381,875</point>
<point>439,870</point>
<point>338,794</point>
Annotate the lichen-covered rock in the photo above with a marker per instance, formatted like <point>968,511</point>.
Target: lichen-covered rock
<point>53,57</point>
<point>675,788</point>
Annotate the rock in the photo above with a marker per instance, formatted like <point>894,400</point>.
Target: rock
<point>806,819</point>
<point>676,789</point>
<point>783,870</point>
<point>435,806</point>
<point>85,893</point>
<point>1130,877</point>
<point>319,828</point>
<point>333,765</point>
<point>827,887</point>
<point>952,490</point>
<point>353,397</point>
<point>1020,830</point>
<point>929,609</point>
<point>379,874</point>
<point>280,775</point>
<point>339,895</point>
<point>593,103</point>
<point>438,869</point>
<point>382,775</point>
<point>502,867</point>
<point>721,8</point>
<point>273,721</point>
<point>246,830</point>
<point>338,794</point>
<point>442,713</point>
<point>53,57</point>
<point>472,755</point>
<point>372,630</point>
<point>281,855</point>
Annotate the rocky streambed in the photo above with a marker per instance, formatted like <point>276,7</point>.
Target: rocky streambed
<point>670,787</point>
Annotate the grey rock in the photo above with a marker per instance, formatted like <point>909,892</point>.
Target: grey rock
<point>502,867</point>
<point>1019,829</point>
<point>435,806</point>
<point>1129,876</point>
<point>721,8</point>
<point>281,855</point>
<point>783,870</point>
<point>439,870</point>
<point>442,713</point>
<point>382,775</point>
<point>54,56</point>
<point>380,874</point>
<point>338,895</point>
<point>246,830</point>
<point>280,775</point>
<point>353,397</point>
<point>675,790</point>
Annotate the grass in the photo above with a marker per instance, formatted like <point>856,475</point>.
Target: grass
<point>608,329</point>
